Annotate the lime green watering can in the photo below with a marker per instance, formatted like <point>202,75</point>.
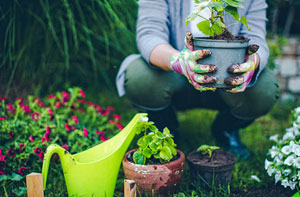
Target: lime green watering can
<point>94,172</point>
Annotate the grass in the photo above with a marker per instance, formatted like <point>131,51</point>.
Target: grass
<point>195,130</point>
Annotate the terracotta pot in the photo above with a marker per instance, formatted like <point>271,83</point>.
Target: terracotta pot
<point>161,178</point>
<point>211,174</point>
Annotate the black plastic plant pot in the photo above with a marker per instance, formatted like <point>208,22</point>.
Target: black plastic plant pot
<point>223,54</point>
<point>211,172</point>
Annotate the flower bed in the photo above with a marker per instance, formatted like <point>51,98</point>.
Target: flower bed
<point>284,157</point>
<point>27,127</point>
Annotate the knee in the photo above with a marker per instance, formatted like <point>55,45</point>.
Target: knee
<point>146,87</point>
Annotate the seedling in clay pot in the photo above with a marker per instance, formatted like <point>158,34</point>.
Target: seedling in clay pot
<point>211,167</point>
<point>156,165</point>
<point>226,49</point>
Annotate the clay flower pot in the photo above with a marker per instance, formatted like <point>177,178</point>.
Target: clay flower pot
<point>161,178</point>
<point>215,171</point>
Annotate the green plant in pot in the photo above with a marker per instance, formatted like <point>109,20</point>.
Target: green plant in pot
<point>211,167</point>
<point>226,49</point>
<point>156,165</point>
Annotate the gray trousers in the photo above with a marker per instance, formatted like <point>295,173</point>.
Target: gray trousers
<point>161,93</point>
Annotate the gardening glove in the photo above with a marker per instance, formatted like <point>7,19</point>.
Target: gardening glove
<point>246,71</point>
<point>185,63</point>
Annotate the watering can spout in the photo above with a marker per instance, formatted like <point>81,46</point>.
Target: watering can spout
<point>65,158</point>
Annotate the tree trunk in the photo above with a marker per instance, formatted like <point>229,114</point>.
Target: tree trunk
<point>289,20</point>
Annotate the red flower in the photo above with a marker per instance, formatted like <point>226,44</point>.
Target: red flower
<point>110,108</point>
<point>116,116</point>
<point>65,146</point>
<point>48,129</point>
<point>21,147</point>
<point>65,96</point>
<point>85,133</point>
<point>100,132</point>
<point>103,139</point>
<point>111,122</point>
<point>11,152</point>
<point>104,113</point>
<point>67,127</point>
<point>46,137</point>
<point>2,173</point>
<point>41,156</point>
<point>39,102</point>
<point>37,150</point>
<point>21,100</point>
<point>35,116</point>
<point>81,92</point>
<point>57,104</point>
<point>22,170</point>
<point>75,119</point>
<point>2,157</point>
<point>3,98</point>
<point>98,108</point>
<point>26,109</point>
<point>3,118</point>
<point>50,112</point>
<point>51,96</point>
<point>11,134</point>
<point>11,109</point>
<point>119,125</point>
<point>31,138</point>
<point>81,101</point>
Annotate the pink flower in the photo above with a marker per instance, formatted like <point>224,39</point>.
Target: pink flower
<point>67,127</point>
<point>20,100</point>
<point>35,116</point>
<point>51,96</point>
<point>11,152</point>
<point>75,119</point>
<point>103,139</point>
<point>119,125</point>
<point>111,122</point>
<point>3,118</point>
<point>85,133</point>
<point>31,138</point>
<point>22,170</point>
<point>21,147</point>
<point>81,92</point>
<point>26,109</point>
<point>65,96</point>
<point>46,137</point>
<point>2,173</point>
<point>65,146</point>
<point>37,150</point>
<point>98,108</point>
<point>11,134</point>
<point>104,113</point>
<point>48,129</point>
<point>57,104</point>
<point>3,98</point>
<point>2,157</point>
<point>81,101</point>
<point>116,116</point>
<point>39,102</point>
<point>100,132</point>
<point>50,112</point>
<point>11,109</point>
<point>41,156</point>
<point>110,108</point>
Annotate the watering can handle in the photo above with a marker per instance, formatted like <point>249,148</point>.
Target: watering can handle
<point>52,149</point>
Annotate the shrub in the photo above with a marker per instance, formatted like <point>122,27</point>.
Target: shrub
<point>64,118</point>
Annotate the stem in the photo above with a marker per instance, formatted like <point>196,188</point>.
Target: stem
<point>4,188</point>
<point>202,17</point>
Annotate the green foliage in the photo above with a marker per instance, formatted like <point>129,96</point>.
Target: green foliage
<point>275,47</point>
<point>154,145</point>
<point>51,43</point>
<point>206,149</point>
<point>27,127</point>
<point>218,8</point>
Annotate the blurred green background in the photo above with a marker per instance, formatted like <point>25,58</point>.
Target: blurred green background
<point>50,45</point>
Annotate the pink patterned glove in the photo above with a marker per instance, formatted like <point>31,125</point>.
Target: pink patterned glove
<point>246,69</point>
<point>185,63</point>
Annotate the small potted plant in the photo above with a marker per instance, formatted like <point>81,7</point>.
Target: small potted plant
<point>156,165</point>
<point>211,166</point>
<point>226,49</point>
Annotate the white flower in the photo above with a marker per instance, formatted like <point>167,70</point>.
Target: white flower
<point>286,149</point>
<point>274,151</point>
<point>267,164</point>
<point>274,137</point>
<point>270,171</point>
<point>288,135</point>
<point>277,176</point>
<point>286,172</point>
<point>296,150</point>
<point>289,160</point>
<point>292,185</point>
<point>285,183</point>
<point>254,177</point>
<point>297,162</point>
<point>278,161</point>
<point>297,110</point>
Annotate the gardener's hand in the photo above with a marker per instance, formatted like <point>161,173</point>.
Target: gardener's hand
<point>185,63</point>
<point>246,71</point>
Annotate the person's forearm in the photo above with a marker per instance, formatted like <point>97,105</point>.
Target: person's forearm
<point>161,55</point>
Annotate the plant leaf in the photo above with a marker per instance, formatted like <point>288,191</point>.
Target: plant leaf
<point>234,3</point>
<point>233,11</point>
<point>216,29</point>
<point>15,177</point>
<point>166,131</point>
<point>147,152</point>
<point>20,191</point>
<point>3,177</point>
<point>165,153</point>
<point>204,27</point>
<point>138,157</point>
<point>245,22</point>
